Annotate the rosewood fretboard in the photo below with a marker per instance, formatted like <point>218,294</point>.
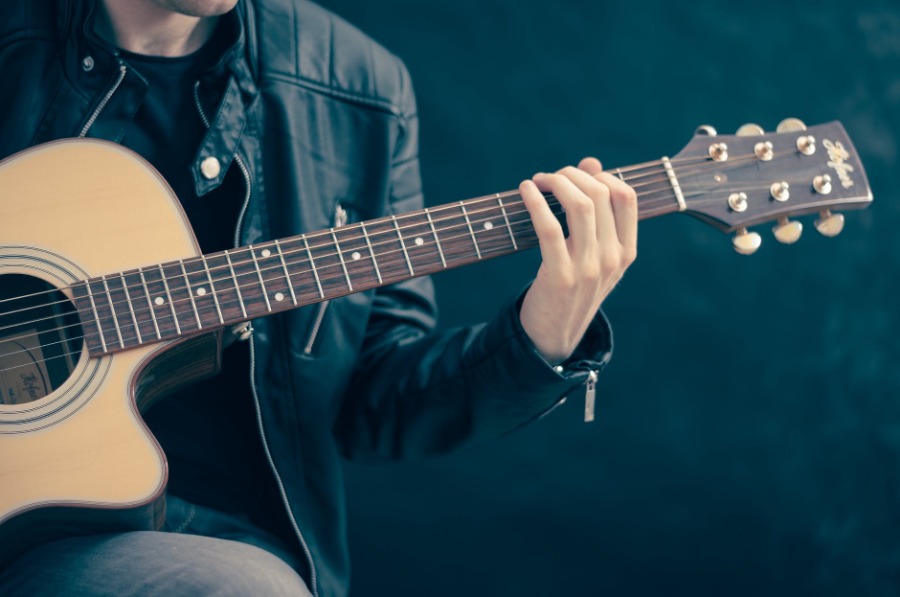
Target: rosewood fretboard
<point>174,299</point>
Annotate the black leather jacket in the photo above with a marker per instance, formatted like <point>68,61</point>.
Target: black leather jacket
<point>315,115</point>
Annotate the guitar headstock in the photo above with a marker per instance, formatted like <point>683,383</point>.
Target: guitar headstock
<point>736,181</point>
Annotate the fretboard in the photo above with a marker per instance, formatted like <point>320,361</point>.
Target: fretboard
<point>174,299</point>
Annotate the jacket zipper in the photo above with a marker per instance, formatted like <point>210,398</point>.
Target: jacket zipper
<point>248,334</point>
<point>340,218</point>
<point>87,125</point>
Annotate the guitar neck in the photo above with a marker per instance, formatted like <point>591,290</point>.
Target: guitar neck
<point>170,300</point>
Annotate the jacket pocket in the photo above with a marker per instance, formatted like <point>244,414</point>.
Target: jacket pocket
<point>340,218</point>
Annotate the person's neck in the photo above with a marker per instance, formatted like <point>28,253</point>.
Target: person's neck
<point>144,27</point>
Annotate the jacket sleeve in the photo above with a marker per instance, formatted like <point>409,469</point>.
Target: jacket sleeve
<point>417,391</point>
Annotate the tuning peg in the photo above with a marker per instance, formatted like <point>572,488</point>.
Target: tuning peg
<point>750,130</point>
<point>790,125</point>
<point>746,243</point>
<point>822,184</point>
<point>829,224</point>
<point>788,231</point>
<point>707,130</point>
<point>780,191</point>
<point>806,144</point>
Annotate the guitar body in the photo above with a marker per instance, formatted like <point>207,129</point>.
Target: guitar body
<point>75,455</point>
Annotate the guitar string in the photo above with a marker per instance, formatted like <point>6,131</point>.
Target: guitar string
<point>128,325</point>
<point>391,233</point>
<point>510,194</point>
<point>649,204</point>
<point>653,165</point>
<point>253,284</point>
<point>44,360</point>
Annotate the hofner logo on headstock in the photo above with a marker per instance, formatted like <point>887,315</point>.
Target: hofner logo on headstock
<point>838,158</point>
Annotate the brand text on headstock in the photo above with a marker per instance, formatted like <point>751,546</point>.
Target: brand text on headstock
<point>838,157</point>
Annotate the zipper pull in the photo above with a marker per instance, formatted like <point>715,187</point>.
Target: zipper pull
<point>243,331</point>
<point>590,395</point>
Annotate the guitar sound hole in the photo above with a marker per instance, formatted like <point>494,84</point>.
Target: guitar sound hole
<point>40,339</point>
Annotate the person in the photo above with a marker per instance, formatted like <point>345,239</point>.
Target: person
<point>270,118</point>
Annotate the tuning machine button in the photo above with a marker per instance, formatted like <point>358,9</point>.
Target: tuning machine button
<point>790,125</point>
<point>746,243</point>
<point>822,184</point>
<point>718,152</point>
<point>780,191</point>
<point>806,144</point>
<point>706,130</point>
<point>787,231</point>
<point>764,151</point>
<point>738,202</point>
<point>829,224</point>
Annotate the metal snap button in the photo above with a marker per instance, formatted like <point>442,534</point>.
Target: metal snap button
<point>87,64</point>
<point>210,167</point>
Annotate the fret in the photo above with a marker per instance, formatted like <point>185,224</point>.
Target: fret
<point>165,283</point>
<point>133,291</point>
<point>494,236</point>
<point>471,231</point>
<point>403,245</point>
<point>420,244</point>
<point>387,250</point>
<point>523,229</point>
<point>312,265</point>
<point>190,291</point>
<point>181,297</point>
<point>437,241</point>
<point>137,328</point>
<point>123,315</point>
<point>343,263</point>
<point>112,309</point>
<point>455,248</point>
<point>287,274</point>
<point>212,289</point>
<point>237,286</point>
<point>371,252</point>
<point>262,283</point>
<point>150,304</point>
<point>512,236</point>
<point>202,294</point>
<point>220,278</point>
<point>277,286</point>
<point>356,257</point>
<point>96,316</point>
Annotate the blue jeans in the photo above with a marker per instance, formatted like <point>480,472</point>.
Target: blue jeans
<point>202,552</point>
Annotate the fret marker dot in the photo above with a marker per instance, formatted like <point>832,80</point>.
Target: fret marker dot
<point>419,241</point>
<point>488,225</point>
<point>279,296</point>
<point>159,300</point>
<point>201,291</point>
<point>355,255</point>
<point>266,252</point>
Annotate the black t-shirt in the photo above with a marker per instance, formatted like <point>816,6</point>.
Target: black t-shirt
<point>209,430</point>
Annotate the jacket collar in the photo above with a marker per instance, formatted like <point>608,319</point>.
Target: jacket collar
<point>226,89</point>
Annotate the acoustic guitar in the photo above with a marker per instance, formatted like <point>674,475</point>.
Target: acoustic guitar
<point>97,320</point>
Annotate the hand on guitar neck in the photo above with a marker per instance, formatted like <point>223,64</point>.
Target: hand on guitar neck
<point>579,271</point>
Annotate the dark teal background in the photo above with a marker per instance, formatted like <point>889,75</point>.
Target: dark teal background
<point>748,426</point>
